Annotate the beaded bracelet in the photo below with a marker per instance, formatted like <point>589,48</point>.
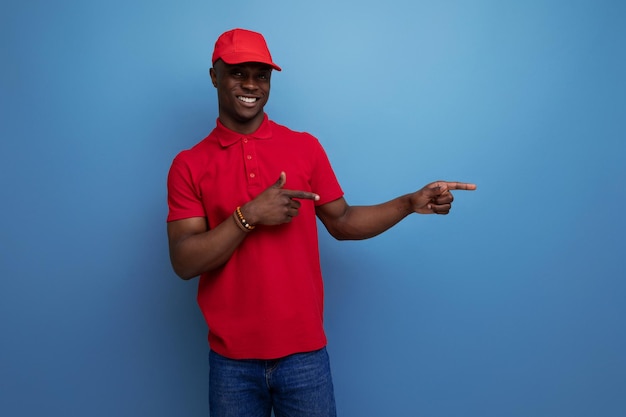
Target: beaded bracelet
<point>247,226</point>
<point>238,223</point>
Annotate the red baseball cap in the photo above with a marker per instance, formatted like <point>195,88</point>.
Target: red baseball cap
<point>240,45</point>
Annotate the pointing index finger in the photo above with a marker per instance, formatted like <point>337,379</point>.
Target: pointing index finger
<point>451,185</point>
<point>304,195</point>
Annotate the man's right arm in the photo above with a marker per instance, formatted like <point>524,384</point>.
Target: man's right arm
<point>195,249</point>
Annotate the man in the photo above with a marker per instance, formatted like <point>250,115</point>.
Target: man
<point>242,214</point>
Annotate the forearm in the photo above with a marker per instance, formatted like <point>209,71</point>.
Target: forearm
<point>202,252</point>
<point>363,222</point>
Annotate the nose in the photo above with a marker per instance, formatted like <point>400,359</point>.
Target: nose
<point>249,83</point>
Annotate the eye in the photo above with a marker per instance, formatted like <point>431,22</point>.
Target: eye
<point>237,73</point>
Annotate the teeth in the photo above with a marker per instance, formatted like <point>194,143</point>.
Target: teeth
<point>247,99</point>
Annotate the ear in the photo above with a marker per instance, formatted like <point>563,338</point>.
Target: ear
<point>213,75</point>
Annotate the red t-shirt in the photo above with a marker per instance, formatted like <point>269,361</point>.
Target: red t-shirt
<point>267,301</point>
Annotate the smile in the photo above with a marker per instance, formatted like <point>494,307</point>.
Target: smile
<point>247,99</point>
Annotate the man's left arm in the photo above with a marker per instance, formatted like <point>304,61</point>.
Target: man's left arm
<point>345,222</point>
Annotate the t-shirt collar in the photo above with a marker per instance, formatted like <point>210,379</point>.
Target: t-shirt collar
<point>228,137</point>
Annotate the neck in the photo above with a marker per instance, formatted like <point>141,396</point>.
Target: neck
<point>244,127</point>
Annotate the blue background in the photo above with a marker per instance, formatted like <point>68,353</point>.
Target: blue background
<point>513,305</point>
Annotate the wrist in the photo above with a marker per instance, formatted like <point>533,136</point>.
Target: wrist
<point>243,223</point>
<point>249,213</point>
<point>408,206</point>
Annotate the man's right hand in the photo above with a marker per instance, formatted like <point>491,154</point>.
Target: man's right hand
<point>275,205</point>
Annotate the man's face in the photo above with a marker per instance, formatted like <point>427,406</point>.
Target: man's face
<point>242,91</point>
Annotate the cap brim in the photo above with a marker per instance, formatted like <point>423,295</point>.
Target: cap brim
<point>240,58</point>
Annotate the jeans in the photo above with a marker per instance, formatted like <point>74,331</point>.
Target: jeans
<point>294,386</point>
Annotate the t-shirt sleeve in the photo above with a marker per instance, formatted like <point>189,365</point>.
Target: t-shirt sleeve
<point>183,197</point>
<point>324,181</point>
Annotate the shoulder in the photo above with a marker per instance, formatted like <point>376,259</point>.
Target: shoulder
<point>283,132</point>
<point>197,154</point>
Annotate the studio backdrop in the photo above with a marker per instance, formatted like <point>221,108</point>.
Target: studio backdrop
<point>512,305</point>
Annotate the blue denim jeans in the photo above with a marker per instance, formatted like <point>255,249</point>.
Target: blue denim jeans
<point>294,386</point>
